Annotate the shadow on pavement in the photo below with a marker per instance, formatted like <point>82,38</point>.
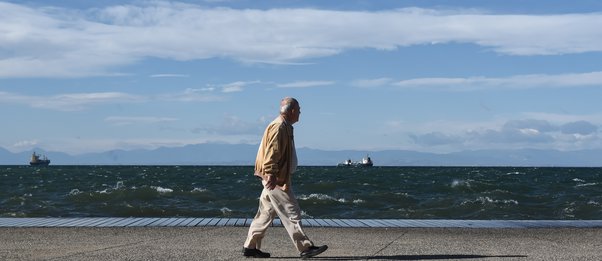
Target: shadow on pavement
<point>416,257</point>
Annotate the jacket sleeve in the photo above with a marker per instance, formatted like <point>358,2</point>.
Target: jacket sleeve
<point>274,150</point>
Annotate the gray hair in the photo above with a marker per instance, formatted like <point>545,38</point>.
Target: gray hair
<point>287,104</point>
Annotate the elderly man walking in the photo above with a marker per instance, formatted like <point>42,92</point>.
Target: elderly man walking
<point>275,163</point>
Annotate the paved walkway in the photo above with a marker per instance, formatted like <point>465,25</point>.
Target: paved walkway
<point>346,243</point>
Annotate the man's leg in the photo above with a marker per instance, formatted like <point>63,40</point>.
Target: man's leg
<point>287,207</point>
<point>263,219</point>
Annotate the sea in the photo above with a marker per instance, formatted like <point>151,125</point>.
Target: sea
<point>500,193</point>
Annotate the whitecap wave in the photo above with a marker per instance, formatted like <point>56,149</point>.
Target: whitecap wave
<point>586,184</point>
<point>305,215</point>
<point>198,190</point>
<point>460,183</point>
<point>515,173</point>
<point>488,200</point>
<point>162,190</point>
<point>119,185</point>
<point>75,192</point>
<point>321,197</point>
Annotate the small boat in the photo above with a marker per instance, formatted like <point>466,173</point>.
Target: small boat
<point>365,162</point>
<point>37,161</point>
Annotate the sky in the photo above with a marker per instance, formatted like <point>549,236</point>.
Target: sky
<point>431,76</point>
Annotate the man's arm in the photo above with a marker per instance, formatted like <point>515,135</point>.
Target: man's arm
<point>273,155</point>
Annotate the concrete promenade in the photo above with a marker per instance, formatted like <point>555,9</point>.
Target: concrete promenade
<point>554,241</point>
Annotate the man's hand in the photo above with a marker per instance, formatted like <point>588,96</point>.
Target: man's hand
<point>271,183</point>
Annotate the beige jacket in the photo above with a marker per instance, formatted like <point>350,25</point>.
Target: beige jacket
<point>276,155</point>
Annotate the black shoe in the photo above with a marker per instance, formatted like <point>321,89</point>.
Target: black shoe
<point>313,251</point>
<point>255,253</point>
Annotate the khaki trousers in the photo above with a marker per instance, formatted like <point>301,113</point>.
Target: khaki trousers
<point>284,204</point>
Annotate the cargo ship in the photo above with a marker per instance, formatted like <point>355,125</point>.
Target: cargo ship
<point>365,162</point>
<point>39,160</point>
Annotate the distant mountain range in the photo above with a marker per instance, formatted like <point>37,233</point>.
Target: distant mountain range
<point>243,154</point>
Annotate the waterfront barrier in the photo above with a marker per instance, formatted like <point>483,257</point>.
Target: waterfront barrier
<point>329,223</point>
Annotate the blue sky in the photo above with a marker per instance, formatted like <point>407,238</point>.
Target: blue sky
<point>91,76</point>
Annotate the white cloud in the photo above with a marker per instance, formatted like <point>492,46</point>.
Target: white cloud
<point>58,42</point>
<point>25,144</point>
<point>122,120</point>
<point>579,127</point>
<point>517,81</point>
<point>508,134</point>
<point>169,75</point>
<point>70,101</point>
<point>237,86</point>
<point>559,119</point>
<point>192,95</point>
<point>305,84</point>
<point>529,126</point>
<point>82,101</point>
<point>232,88</point>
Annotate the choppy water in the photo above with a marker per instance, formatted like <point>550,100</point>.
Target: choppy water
<point>323,192</point>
